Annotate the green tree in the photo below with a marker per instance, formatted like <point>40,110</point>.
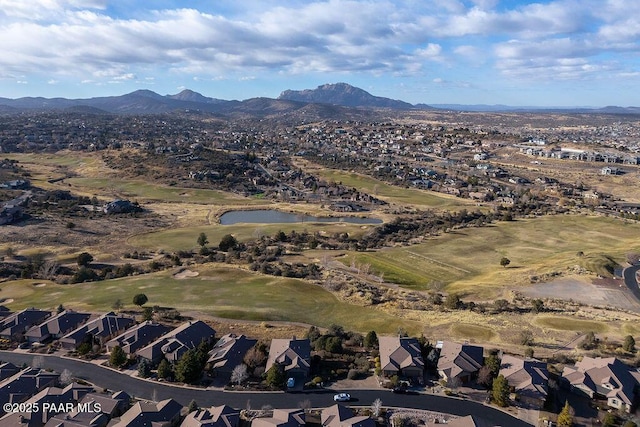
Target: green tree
<point>147,314</point>
<point>493,363</point>
<point>118,357</point>
<point>504,261</point>
<point>140,299</point>
<point>275,376</point>
<point>453,301</point>
<point>565,417</point>
<point>188,368</point>
<point>537,305</point>
<point>589,342</point>
<point>193,406</point>
<point>500,391</point>
<point>164,369</point>
<point>371,340</point>
<point>609,420</point>
<point>228,242</point>
<point>84,259</point>
<point>629,344</point>
<point>202,240</point>
<point>144,370</point>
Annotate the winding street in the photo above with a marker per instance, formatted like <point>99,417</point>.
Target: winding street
<point>105,378</point>
<point>629,275</point>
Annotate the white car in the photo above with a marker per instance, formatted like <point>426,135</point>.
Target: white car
<point>342,397</point>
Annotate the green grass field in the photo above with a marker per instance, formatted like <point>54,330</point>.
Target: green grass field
<point>219,291</point>
<point>185,238</point>
<point>468,260</point>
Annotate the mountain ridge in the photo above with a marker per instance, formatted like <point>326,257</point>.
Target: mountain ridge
<point>328,100</point>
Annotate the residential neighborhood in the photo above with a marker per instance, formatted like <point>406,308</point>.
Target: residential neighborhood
<point>405,364</point>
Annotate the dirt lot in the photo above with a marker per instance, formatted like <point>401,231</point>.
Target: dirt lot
<point>600,292</point>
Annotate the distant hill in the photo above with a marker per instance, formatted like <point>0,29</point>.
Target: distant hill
<point>343,94</point>
<point>329,101</point>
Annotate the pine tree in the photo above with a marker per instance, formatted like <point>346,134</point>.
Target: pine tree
<point>371,340</point>
<point>188,368</point>
<point>500,391</point>
<point>118,357</point>
<point>164,369</point>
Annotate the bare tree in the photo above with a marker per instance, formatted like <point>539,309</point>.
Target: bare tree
<point>376,407</point>
<point>239,374</point>
<point>66,377</point>
<point>48,269</point>
<point>305,404</point>
<point>38,362</point>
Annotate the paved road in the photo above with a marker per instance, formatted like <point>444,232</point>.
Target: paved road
<point>629,275</point>
<point>151,390</point>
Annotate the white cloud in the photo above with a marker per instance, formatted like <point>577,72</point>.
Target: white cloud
<point>78,38</point>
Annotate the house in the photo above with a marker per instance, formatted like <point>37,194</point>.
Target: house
<point>401,356</point>
<point>56,326</point>
<point>528,378</point>
<point>13,326</point>
<point>228,353</point>
<point>24,384</point>
<point>137,337</point>
<point>608,378</point>
<point>98,409</point>
<point>282,418</point>
<point>7,369</point>
<point>175,343</point>
<point>461,361</point>
<point>98,330</point>
<point>165,413</point>
<point>341,416</point>
<point>216,416</point>
<point>293,355</point>
<point>46,404</point>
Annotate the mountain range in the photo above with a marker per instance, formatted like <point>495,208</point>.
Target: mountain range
<point>328,100</point>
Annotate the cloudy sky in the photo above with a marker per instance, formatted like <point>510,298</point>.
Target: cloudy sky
<point>515,52</point>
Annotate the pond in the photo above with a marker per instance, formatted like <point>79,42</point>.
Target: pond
<point>267,216</point>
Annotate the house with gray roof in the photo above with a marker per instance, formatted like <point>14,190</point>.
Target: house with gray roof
<point>165,413</point>
<point>228,353</point>
<point>459,361</point>
<point>24,384</point>
<point>16,324</point>
<point>216,416</point>
<point>7,369</point>
<point>138,336</point>
<point>282,418</point>
<point>56,326</point>
<point>293,355</point>
<point>175,343</point>
<point>341,416</point>
<point>608,377</point>
<point>528,378</point>
<point>99,329</point>
<point>401,356</point>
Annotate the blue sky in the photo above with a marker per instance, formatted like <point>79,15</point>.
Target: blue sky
<point>514,52</point>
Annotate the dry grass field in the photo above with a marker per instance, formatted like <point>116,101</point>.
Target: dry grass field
<point>466,261</point>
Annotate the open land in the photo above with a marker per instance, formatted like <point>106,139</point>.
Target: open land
<point>559,240</point>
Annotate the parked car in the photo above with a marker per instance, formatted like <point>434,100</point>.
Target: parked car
<point>342,397</point>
